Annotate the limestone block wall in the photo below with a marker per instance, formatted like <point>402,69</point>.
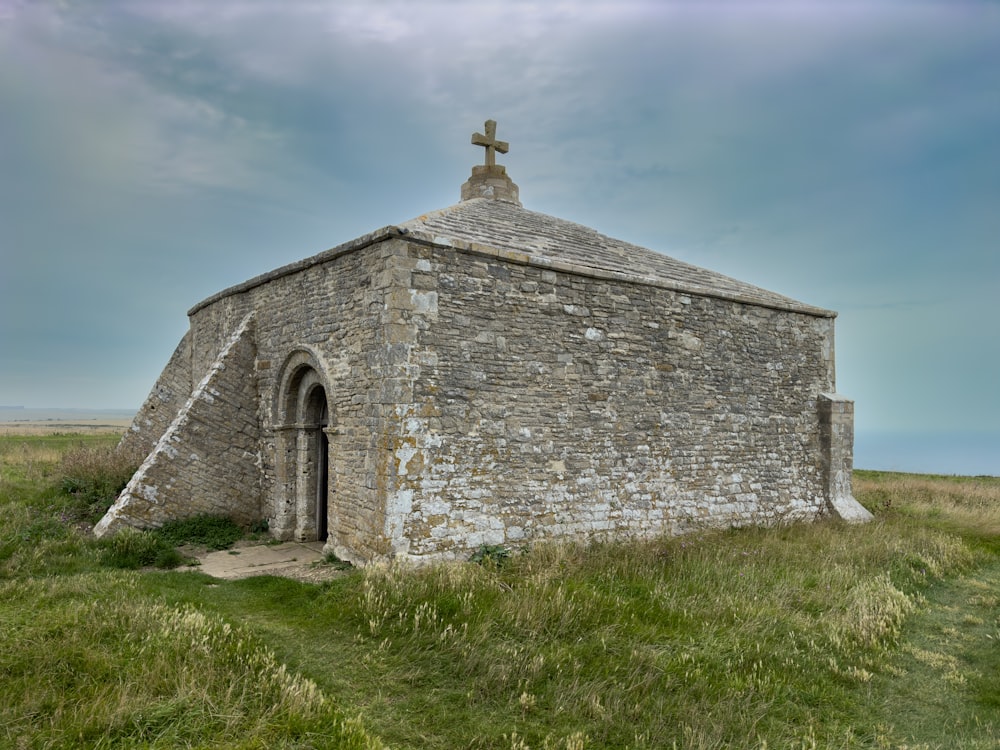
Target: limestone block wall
<point>207,460</point>
<point>551,402</point>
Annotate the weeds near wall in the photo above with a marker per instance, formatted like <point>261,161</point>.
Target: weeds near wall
<point>494,555</point>
<point>131,549</point>
<point>212,532</point>
<point>752,638</point>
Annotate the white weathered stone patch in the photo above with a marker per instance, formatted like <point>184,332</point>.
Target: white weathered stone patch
<point>424,303</point>
<point>403,454</point>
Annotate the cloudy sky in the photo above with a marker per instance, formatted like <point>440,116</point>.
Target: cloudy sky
<point>843,153</point>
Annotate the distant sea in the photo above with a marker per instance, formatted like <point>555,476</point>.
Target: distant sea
<point>962,453</point>
<point>22,414</point>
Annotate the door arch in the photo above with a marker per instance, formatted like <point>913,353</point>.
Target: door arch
<point>303,452</point>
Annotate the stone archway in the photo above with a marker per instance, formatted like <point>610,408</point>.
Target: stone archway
<point>303,419</point>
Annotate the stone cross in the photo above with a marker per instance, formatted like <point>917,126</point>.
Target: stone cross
<point>490,142</point>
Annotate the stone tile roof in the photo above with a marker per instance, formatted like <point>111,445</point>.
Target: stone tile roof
<point>546,240</point>
<point>505,230</point>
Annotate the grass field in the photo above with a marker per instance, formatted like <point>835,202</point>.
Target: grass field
<point>813,636</point>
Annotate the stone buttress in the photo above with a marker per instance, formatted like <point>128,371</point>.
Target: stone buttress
<point>207,460</point>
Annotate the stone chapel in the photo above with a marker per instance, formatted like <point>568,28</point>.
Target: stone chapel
<point>486,374</point>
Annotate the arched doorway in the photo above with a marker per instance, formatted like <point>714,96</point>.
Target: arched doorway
<point>303,452</point>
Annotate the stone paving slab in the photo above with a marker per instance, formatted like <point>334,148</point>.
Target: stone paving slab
<point>265,559</point>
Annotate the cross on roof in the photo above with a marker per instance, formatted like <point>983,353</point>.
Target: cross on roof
<point>490,142</point>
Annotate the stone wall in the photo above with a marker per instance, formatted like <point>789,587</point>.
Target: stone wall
<point>551,403</point>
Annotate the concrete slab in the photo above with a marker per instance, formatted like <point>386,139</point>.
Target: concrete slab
<point>851,510</point>
<point>264,559</point>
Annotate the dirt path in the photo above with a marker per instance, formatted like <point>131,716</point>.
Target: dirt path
<point>302,561</point>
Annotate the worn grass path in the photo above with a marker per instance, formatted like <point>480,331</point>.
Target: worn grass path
<point>943,688</point>
<point>302,625</point>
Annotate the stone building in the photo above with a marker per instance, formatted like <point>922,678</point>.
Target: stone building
<point>485,374</point>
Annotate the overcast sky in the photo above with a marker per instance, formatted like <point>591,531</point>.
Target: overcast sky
<point>846,154</point>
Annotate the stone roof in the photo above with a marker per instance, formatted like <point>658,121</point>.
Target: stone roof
<point>538,239</point>
<point>504,230</point>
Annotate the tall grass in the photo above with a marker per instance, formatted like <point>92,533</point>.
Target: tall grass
<point>87,662</point>
<point>721,640</point>
<point>39,532</point>
<point>966,505</point>
<point>37,458</point>
<point>94,475</point>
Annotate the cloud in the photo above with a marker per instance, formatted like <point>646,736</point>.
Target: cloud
<point>843,153</point>
<point>99,123</point>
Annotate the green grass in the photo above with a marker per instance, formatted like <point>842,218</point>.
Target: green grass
<point>820,635</point>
